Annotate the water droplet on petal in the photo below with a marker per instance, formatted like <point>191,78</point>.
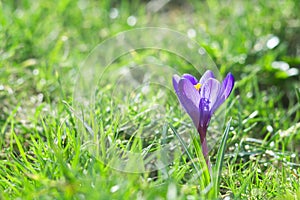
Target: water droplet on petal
<point>205,104</point>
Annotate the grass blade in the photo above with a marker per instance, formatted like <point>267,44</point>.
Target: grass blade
<point>198,171</point>
<point>217,169</point>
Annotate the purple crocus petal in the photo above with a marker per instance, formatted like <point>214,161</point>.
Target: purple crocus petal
<point>205,116</point>
<point>208,74</point>
<point>208,96</point>
<point>189,98</point>
<point>193,80</point>
<point>175,80</point>
<point>225,91</point>
<point>210,90</point>
<point>227,85</point>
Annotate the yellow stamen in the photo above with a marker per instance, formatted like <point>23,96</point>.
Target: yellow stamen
<point>197,86</point>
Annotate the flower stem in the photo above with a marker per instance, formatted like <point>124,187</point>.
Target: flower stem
<point>205,152</point>
<point>202,133</point>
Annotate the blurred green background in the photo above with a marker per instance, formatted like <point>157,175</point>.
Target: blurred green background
<point>251,37</point>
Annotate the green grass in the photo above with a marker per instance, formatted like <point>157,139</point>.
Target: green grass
<point>43,151</point>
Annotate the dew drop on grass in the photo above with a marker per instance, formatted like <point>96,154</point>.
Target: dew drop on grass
<point>258,46</point>
<point>254,114</point>
<point>131,20</point>
<point>35,72</point>
<point>64,38</point>
<point>292,72</point>
<point>270,128</point>
<point>293,155</point>
<point>114,13</point>
<point>85,172</point>
<point>20,81</point>
<point>201,51</point>
<point>280,65</point>
<point>191,33</point>
<point>247,147</point>
<point>114,188</point>
<point>10,91</point>
<point>249,94</point>
<point>273,42</point>
<point>270,152</point>
<point>252,157</point>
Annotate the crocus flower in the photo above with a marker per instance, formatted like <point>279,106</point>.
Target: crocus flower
<point>200,99</point>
